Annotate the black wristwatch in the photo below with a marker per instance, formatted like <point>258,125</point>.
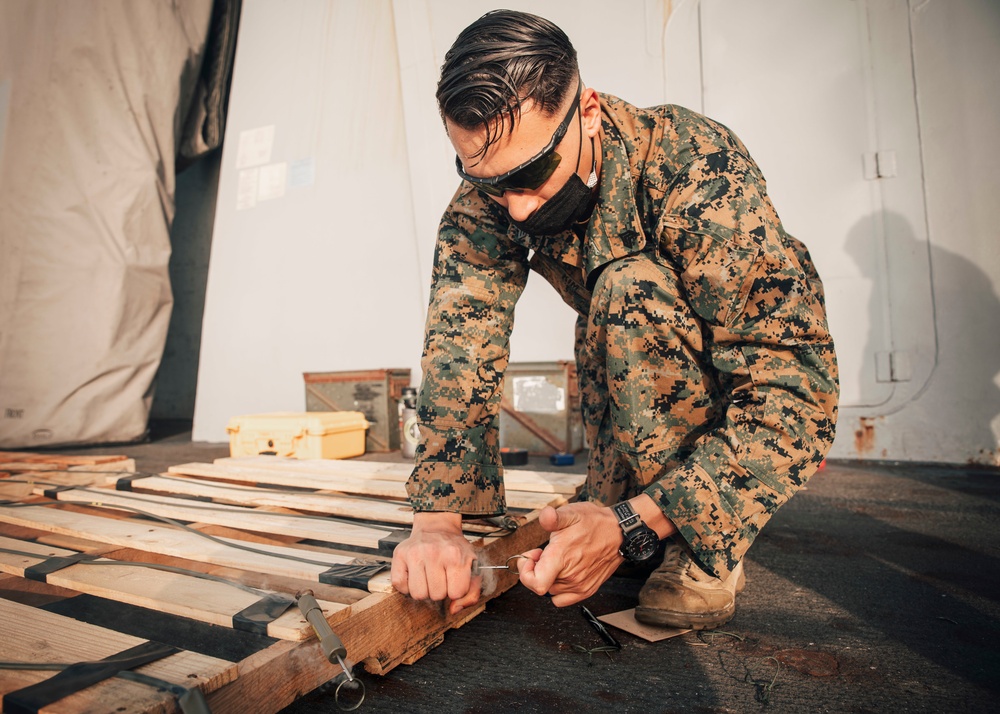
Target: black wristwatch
<point>639,541</point>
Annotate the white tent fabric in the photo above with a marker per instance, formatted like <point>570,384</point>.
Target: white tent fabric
<point>95,93</point>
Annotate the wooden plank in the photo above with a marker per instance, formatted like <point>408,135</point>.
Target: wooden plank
<point>342,506</point>
<point>567,484</point>
<point>32,635</point>
<point>174,542</point>
<point>526,500</point>
<point>184,595</point>
<point>333,504</point>
<point>66,471</point>
<point>62,461</point>
<point>383,631</point>
<point>347,484</point>
<point>380,629</point>
<point>306,527</point>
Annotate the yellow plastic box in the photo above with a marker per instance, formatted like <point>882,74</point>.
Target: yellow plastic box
<point>300,435</point>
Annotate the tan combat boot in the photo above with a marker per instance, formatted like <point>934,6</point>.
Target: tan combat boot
<point>682,595</point>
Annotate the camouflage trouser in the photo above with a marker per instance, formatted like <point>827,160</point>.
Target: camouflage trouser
<point>646,395</point>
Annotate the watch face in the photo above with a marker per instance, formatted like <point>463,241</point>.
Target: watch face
<point>641,545</point>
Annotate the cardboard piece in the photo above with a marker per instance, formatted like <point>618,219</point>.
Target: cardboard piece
<point>625,620</point>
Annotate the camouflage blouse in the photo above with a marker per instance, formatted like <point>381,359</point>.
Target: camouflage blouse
<point>683,190</point>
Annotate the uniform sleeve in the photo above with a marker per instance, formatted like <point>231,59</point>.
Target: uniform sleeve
<point>761,301</point>
<point>477,278</point>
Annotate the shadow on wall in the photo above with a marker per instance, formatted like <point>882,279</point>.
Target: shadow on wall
<point>191,247</point>
<point>961,397</point>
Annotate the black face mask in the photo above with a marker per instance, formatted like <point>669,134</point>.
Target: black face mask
<point>570,204</point>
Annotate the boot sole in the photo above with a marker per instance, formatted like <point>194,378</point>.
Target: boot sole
<point>684,620</point>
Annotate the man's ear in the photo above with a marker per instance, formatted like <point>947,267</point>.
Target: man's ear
<point>590,112</point>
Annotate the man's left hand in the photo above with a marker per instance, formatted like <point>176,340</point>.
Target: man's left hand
<point>582,553</point>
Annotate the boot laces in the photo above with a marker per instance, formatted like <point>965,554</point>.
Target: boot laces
<point>678,563</point>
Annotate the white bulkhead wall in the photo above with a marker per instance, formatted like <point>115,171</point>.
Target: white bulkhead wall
<point>869,119</point>
<point>872,122</point>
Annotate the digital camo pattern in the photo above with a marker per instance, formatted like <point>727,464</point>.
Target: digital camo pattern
<point>708,376</point>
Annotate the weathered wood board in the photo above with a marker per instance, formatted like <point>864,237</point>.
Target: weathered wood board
<point>567,484</point>
<point>34,635</point>
<point>355,483</point>
<point>256,544</point>
<point>179,594</point>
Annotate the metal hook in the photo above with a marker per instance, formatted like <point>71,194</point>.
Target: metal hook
<point>518,555</point>
<point>355,684</point>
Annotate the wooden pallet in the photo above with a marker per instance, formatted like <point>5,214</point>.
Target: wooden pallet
<point>94,534</point>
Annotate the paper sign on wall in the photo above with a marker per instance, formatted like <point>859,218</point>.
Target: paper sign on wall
<point>255,147</point>
<point>271,183</point>
<point>246,189</point>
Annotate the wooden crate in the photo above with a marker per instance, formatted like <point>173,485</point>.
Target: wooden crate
<point>540,409</point>
<point>100,540</point>
<point>373,392</point>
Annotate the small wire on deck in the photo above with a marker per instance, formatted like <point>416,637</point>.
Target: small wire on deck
<point>763,693</point>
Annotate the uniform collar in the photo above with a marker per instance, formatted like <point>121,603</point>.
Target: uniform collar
<point>614,230</point>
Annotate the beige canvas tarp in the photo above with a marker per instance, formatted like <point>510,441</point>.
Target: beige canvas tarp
<point>93,95</point>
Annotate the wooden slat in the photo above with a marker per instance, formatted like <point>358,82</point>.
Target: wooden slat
<point>341,506</point>
<point>317,528</point>
<point>32,635</point>
<point>207,601</point>
<point>346,484</point>
<point>333,504</point>
<point>60,460</point>
<point>172,541</point>
<point>383,631</point>
<point>567,484</point>
<point>357,484</point>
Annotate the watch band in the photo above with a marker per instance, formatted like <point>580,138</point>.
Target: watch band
<point>639,541</point>
<point>628,519</point>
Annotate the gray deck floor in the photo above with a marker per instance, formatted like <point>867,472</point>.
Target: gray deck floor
<point>877,585</point>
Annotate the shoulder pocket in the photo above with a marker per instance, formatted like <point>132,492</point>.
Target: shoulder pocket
<point>715,272</point>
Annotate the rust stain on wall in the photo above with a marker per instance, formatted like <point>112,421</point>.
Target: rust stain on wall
<point>864,438</point>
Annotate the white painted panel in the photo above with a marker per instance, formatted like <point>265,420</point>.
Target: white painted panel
<point>319,272</point>
<point>804,85</point>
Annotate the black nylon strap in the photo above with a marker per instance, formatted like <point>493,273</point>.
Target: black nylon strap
<point>388,544</point>
<point>51,492</point>
<point>81,675</point>
<point>125,482</point>
<point>258,616</point>
<point>351,576</point>
<point>40,571</point>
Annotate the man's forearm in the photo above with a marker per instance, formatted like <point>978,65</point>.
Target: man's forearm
<point>652,516</point>
<point>437,521</point>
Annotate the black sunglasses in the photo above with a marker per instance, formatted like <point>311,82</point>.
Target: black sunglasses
<point>533,172</point>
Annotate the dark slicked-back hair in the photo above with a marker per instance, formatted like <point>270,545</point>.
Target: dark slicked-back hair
<point>501,60</point>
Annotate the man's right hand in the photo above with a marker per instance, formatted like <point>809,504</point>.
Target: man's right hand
<point>435,562</point>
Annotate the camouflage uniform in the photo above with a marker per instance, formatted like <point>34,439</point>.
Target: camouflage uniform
<point>707,374</point>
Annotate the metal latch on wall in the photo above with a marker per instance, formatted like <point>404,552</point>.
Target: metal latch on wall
<point>879,164</point>
<point>893,367</point>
